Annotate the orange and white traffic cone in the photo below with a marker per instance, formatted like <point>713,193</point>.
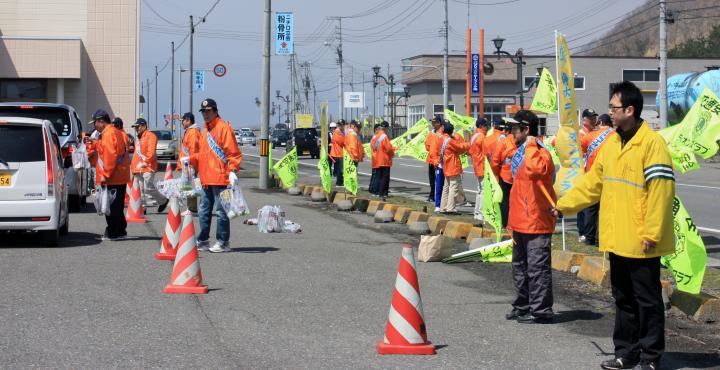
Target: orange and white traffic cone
<point>128,190</point>
<point>168,172</point>
<point>171,236</point>
<point>405,333</point>
<point>135,209</point>
<point>186,277</point>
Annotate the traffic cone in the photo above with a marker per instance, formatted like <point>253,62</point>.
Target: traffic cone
<point>171,237</point>
<point>128,190</point>
<point>405,333</point>
<point>168,172</point>
<point>186,277</point>
<point>135,211</point>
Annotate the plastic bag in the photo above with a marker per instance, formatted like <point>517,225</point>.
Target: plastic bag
<point>271,219</point>
<point>79,156</point>
<point>187,176</point>
<point>291,227</point>
<point>102,198</point>
<point>233,202</point>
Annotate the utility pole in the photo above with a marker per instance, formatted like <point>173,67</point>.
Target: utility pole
<point>265,101</point>
<point>445,58</point>
<point>156,99</point>
<point>340,64</point>
<point>172,92</point>
<point>147,83</point>
<point>142,94</point>
<point>663,65</point>
<point>180,69</point>
<point>192,35</point>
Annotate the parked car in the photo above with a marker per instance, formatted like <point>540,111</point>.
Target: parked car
<point>247,138</point>
<point>307,141</point>
<point>280,137</point>
<point>245,129</point>
<point>33,191</point>
<point>68,127</point>
<point>166,145</point>
<point>237,136</point>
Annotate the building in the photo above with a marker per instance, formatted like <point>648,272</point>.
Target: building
<point>84,53</point>
<point>594,77</point>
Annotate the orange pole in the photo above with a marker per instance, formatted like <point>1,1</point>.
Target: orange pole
<point>481,95</point>
<point>468,65</point>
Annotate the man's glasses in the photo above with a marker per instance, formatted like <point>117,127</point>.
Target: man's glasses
<point>612,107</point>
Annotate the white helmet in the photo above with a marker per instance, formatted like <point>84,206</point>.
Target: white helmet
<point>333,124</point>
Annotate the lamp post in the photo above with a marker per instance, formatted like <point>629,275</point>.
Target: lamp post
<point>286,99</point>
<point>516,59</point>
<point>390,81</point>
<point>406,95</point>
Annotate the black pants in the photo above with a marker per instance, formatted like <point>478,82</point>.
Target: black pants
<point>580,218</point>
<point>505,204</point>
<point>382,182</point>
<point>116,223</point>
<point>338,170</point>
<point>431,180</point>
<point>532,276</point>
<point>639,310</point>
<point>373,189</point>
<point>591,223</point>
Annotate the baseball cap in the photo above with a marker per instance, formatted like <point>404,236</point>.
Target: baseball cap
<point>208,104</point>
<point>589,113</point>
<point>333,124</point>
<point>118,122</point>
<point>605,118</point>
<point>384,124</point>
<point>437,118</point>
<point>100,114</point>
<point>526,118</point>
<point>341,122</point>
<point>190,116</point>
<point>481,122</point>
<point>140,122</point>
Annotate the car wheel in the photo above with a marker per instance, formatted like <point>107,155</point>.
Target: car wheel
<point>50,237</point>
<point>65,228</point>
<point>74,203</point>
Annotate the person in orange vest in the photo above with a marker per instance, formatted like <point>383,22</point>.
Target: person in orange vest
<point>500,164</point>
<point>382,155</point>
<point>477,154</point>
<point>352,142</point>
<point>431,145</point>
<point>144,164</point>
<point>531,223</point>
<point>336,151</point>
<point>451,147</point>
<point>190,145</point>
<point>217,162</point>
<point>112,171</point>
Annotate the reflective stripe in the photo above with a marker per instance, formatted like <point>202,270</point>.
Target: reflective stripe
<point>442,153</point>
<point>472,141</point>
<point>216,148</point>
<point>138,150</point>
<point>596,143</point>
<point>378,142</point>
<point>519,157</point>
<point>623,181</point>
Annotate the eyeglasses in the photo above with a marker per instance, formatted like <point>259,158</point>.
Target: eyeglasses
<point>612,107</point>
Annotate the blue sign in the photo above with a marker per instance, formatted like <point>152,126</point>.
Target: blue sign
<point>199,81</point>
<point>284,31</point>
<point>476,73</point>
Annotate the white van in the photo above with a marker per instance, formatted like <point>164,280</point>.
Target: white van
<point>33,192</point>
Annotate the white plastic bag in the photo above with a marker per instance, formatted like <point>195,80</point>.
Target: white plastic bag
<point>291,227</point>
<point>271,219</point>
<point>79,156</point>
<point>102,198</point>
<point>187,176</point>
<point>233,202</point>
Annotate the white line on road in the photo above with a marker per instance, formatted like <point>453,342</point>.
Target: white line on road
<point>411,165</point>
<point>699,186</point>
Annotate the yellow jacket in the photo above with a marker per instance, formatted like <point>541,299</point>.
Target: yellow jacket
<point>635,186</point>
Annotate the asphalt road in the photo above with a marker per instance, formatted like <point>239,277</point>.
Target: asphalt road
<point>699,190</point>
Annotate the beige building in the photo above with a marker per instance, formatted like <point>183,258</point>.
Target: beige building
<point>84,53</point>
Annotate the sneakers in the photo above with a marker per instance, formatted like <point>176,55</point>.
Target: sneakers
<point>163,206</point>
<point>467,204</point>
<point>514,314</point>
<point>219,247</point>
<point>582,239</point>
<point>437,209</point>
<point>648,365</point>
<point>203,246</point>
<point>529,318</point>
<point>618,363</point>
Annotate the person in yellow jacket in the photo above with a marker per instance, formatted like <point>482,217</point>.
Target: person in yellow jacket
<point>633,180</point>
<point>144,164</point>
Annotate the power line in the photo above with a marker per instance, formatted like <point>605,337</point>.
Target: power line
<point>158,14</point>
<point>485,4</point>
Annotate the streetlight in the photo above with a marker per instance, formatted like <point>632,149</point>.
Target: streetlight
<point>286,99</point>
<point>517,59</point>
<point>389,81</point>
<point>406,95</point>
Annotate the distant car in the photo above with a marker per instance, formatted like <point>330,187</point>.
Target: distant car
<point>247,138</point>
<point>245,129</point>
<point>166,145</point>
<point>281,126</point>
<point>237,136</point>
<point>307,141</point>
<point>280,137</point>
<point>33,191</point>
<point>68,127</point>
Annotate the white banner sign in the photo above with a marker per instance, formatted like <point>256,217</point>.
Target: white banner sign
<point>354,100</point>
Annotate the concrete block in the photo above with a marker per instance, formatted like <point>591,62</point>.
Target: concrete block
<point>701,307</point>
<point>294,191</point>
<point>416,216</point>
<point>402,214</point>
<point>475,232</point>
<point>480,242</point>
<point>345,205</point>
<point>419,228</point>
<point>318,196</point>
<point>457,230</point>
<point>340,197</point>
<point>361,204</point>
<point>592,270</point>
<point>391,207</point>
<point>437,224</point>
<point>331,196</point>
<point>565,260</point>
<point>307,190</point>
<point>374,206</point>
<point>383,216</point>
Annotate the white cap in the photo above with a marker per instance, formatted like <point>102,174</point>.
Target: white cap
<point>509,120</point>
<point>333,124</point>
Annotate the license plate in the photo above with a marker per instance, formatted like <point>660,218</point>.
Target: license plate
<point>306,152</point>
<point>5,179</point>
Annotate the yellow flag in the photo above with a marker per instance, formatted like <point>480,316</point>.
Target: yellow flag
<point>568,143</point>
<point>545,99</point>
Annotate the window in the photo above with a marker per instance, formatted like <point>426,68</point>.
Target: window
<point>59,117</point>
<point>579,82</point>
<point>641,75</point>
<point>415,113</point>
<point>493,111</point>
<point>438,108</point>
<point>163,135</point>
<point>23,89</point>
<point>21,143</point>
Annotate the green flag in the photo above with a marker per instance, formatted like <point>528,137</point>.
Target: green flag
<point>551,148</point>
<point>368,152</point>
<point>464,160</point>
<point>699,131</point>
<point>324,167</point>
<point>690,258</point>
<point>419,126</point>
<point>492,196</point>
<point>545,99</point>
<point>287,168</point>
<point>350,175</point>
<point>460,122</point>
<point>416,147</point>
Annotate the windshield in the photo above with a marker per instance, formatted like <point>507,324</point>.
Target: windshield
<point>21,144</point>
<point>59,117</point>
<point>163,135</point>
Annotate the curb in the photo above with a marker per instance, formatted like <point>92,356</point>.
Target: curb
<point>361,204</point>
<point>592,270</point>
<point>374,206</point>
<point>701,307</point>
<point>340,197</point>
<point>437,224</point>
<point>416,216</point>
<point>391,207</point>
<point>457,230</point>
<point>565,260</point>
<point>402,214</point>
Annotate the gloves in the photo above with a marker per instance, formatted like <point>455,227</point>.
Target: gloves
<point>232,177</point>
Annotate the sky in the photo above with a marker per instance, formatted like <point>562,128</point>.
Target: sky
<point>375,32</point>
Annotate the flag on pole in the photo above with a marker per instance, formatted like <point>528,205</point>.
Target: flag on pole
<point>324,167</point>
<point>350,175</point>
<point>690,258</point>
<point>545,99</point>
<point>492,197</point>
<point>287,168</point>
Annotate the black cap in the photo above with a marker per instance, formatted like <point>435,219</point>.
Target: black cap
<point>498,123</point>
<point>438,118</point>
<point>100,114</point>
<point>589,113</point>
<point>341,122</point>
<point>481,122</point>
<point>190,116</point>
<point>140,122</point>
<point>376,126</point>
<point>384,124</point>
<point>208,104</point>
<point>117,122</point>
<point>526,118</point>
<point>605,118</point>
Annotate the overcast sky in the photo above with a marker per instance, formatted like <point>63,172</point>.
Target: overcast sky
<point>377,32</point>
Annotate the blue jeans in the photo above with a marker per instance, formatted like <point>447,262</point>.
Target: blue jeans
<point>210,197</point>
<point>439,183</point>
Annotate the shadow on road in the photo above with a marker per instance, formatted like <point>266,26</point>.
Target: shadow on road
<point>576,315</point>
<point>693,360</point>
<point>34,240</point>
<point>254,250</point>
